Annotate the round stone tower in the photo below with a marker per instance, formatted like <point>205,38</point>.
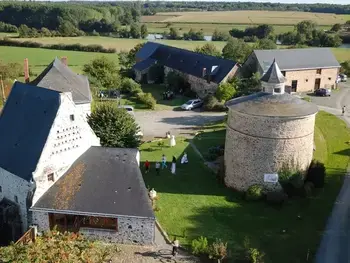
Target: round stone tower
<point>266,131</point>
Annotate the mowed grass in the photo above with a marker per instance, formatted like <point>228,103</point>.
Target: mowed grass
<point>248,17</point>
<point>192,203</point>
<point>40,58</point>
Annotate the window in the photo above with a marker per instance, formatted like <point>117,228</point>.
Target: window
<point>319,71</point>
<point>50,177</point>
<point>99,222</point>
<point>72,117</point>
<point>329,78</point>
<point>16,199</point>
<point>294,85</point>
<point>0,189</point>
<point>283,73</point>
<point>277,90</point>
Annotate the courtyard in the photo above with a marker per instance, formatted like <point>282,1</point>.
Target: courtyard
<point>193,203</point>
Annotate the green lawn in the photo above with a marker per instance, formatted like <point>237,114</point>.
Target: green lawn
<point>40,58</point>
<point>192,203</point>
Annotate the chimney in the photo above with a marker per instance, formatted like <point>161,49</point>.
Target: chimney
<point>204,72</point>
<point>26,71</point>
<point>64,60</point>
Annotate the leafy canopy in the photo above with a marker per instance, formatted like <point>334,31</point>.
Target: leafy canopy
<point>236,50</point>
<point>114,126</point>
<point>208,49</point>
<point>226,91</point>
<point>103,72</point>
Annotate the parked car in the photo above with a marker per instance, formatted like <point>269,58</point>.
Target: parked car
<point>323,92</point>
<point>192,104</point>
<point>343,77</point>
<point>130,110</point>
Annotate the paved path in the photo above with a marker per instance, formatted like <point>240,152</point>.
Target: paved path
<point>335,244</point>
<point>157,123</point>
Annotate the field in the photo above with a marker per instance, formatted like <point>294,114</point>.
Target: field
<point>192,203</point>
<point>247,17</point>
<point>40,58</point>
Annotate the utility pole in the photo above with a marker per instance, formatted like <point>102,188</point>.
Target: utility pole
<point>2,91</point>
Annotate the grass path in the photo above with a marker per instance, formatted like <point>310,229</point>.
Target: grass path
<point>192,203</point>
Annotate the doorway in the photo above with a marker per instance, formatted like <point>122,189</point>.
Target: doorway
<point>317,83</point>
<point>294,85</point>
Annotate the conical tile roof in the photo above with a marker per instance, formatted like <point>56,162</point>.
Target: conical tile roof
<point>273,74</point>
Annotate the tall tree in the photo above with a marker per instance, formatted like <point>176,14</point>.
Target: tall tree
<point>265,44</point>
<point>144,31</point>
<point>114,126</point>
<point>237,50</point>
<point>208,49</point>
<point>135,31</point>
<point>174,33</point>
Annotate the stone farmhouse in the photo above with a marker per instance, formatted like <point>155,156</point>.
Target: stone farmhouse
<point>58,76</point>
<point>204,73</point>
<point>267,131</point>
<point>53,172</point>
<point>305,69</point>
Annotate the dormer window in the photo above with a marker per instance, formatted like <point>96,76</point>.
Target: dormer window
<point>71,117</point>
<point>50,177</point>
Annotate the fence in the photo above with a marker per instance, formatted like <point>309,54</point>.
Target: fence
<point>28,236</point>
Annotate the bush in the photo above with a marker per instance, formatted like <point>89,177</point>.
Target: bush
<point>217,250</point>
<point>199,246</point>
<point>214,152</point>
<point>147,99</point>
<point>316,174</point>
<point>254,193</point>
<point>130,86</point>
<point>211,103</point>
<point>276,197</point>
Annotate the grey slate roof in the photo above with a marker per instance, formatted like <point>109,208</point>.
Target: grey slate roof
<point>144,64</point>
<point>102,181</point>
<point>147,50</point>
<point>188,62</point>
<point>266,104</point>
<point>300,58</point>
<point>25,123</point>
<point>273,75</point>
<point>60,77</point>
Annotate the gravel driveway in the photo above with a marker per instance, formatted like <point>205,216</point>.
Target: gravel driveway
<point>157,123</point>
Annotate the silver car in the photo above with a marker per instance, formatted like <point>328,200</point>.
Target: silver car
<point>192,104</point>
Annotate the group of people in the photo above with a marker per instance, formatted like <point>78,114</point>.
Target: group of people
<point>163,164</point>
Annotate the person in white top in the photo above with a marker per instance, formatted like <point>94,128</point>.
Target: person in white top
<point>172,141</point>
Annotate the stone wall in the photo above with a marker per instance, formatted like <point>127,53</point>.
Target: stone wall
<point>11,186</point>
<point>259,145</point>
<point>306,78</point>
<point>70,136</point>
<point>131,230</point>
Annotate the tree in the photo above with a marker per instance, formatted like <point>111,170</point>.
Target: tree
<point>220,36</point>
<point>208,49</point>
<point>345,67</point>
<point>45,32</point>
<point>173,34</point>
<point>237,50</point>
<point>226,91</point>
<point>114,126</point>
<point>336,27</point>
<point>264,31</point>
<point>103,71</point>
<point>67,29</point>
<point>135,31</point>
<point>265,44</point>
<point>144,31</point>
<point>305,28</point>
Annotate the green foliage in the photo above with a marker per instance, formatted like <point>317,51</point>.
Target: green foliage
<point>144,31</point>
<point>194,35</point>
<point>59,248</point>
<point>217,250</point>
<point>255,256</point>
<point>246,86</point>
<point>130,86</point>
<point>220,36</point>
<point>236,50</point>
<point>8,28</point>
<point>176,82</point>
<point>226,91</point>
<point>103,72</point>
<point>254,193</point>
<point>336,27</point>
<point>199,246</point>
<point>261,31</point>
<point>265,43</point>
<point>211,103</point>
<point>316,174</point>
<point>10,71</point>
<point>114,126</point>
<point>135,31</point>
<point>173,34</point>
<point>345,67</point>
<point>148,100</point>
<point>208,49</point>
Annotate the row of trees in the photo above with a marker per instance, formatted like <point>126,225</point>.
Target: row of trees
<point>306,33</point>
<point>152,7</point>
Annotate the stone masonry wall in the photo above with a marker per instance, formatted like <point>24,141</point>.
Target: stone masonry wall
<point>11,186</point>
<point>259,145</point>
<point>131,230</point>
<point>306,78</point>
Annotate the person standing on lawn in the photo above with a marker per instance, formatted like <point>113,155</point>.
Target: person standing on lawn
<point>173,165</point>
<point>164,162</point>
<point>343,110</point>
<point>147,165</point>
<point>157,167</point>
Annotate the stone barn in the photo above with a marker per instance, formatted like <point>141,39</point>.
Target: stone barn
<point>266,131</point>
